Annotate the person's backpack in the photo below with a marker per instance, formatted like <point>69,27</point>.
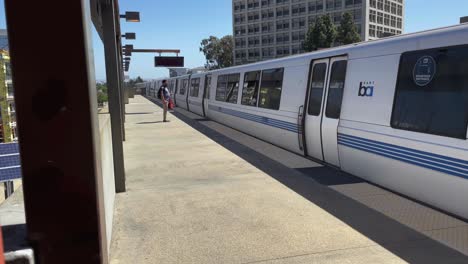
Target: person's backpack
<point>160,92</point>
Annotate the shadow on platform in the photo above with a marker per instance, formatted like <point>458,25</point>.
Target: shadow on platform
<point>311,183</point>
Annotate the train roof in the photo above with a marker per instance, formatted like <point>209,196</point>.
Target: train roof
<point>386,46</point>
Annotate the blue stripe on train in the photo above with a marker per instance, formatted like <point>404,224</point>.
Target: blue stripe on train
<point>256,118</point>
<point>447,165</point>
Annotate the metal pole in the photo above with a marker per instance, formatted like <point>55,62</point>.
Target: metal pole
<point>9,188</point>
<point>120,60</point>
<point>56,107</point>
<point>113,82</point>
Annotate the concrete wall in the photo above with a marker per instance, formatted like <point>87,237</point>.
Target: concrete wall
<point>107,162</point>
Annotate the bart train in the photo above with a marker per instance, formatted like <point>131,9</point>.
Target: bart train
<point>392,111</point>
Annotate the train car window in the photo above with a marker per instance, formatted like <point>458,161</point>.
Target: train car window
<point>432,92</point>
<point>208,87</point>
<point>270,89</point>
<point>250,90</point>
<point>172,89</point>
<point>232,90</point>
<point>195,87</point>
<point>184,86</point>
<point>221,87</point>
<point>316,88</point>
<point>335,89</point>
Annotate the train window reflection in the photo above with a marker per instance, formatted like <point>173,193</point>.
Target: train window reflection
<point>270,90</point>
<point>221,88</point>
<point>195,87</point>
<point>228,88</point>
<point>250,90</point>
<point>316,88</point>
<point>432,92</point>
<point>335,89</point>
<point>232,90</point>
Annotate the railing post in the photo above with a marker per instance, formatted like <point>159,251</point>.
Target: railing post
<point>2,255</point>
<point>116,105</point>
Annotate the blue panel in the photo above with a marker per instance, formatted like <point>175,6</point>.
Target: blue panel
<point>10,174</point>
<point>258,119</point>
<point>9,148</point>
<point>9,160</point>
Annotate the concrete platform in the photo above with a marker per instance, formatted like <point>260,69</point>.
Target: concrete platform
<point>198,193</point>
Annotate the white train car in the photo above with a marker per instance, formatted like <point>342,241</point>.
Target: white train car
<point>181,97</point>
<point>199,83</point>
<point>393,111</point>
<point>171,85</point>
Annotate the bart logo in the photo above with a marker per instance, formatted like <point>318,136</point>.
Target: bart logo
<point>366,89</point>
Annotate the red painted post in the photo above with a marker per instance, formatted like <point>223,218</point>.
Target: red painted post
<point>2,257</point>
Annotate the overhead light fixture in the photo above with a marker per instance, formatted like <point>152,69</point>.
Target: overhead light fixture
<point>127,49</point>
<point>129,35</point>
<point>131,16</point>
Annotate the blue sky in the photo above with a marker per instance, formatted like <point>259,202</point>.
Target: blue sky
<point>182,24</point>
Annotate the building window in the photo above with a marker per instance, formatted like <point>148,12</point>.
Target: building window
<point>330,5</point>
<point>268,52</point>
<point>251,4</point>
<point>253,16</point>
<point>282,11</point>
<point>432,92</point>
<point>270,90</point>
<point>372,32</point>
<point>250,90</point>
<point>267,2</point>
<point>335,89</point>
<point>299,9</point>
<point>195,87</point>
<point>282,25</point>
<point>8,70</point>
<point>10,90</point>
<point>268,14</point>
<point>268,40</point>
<point>380,4</point>
<point>400,10</point>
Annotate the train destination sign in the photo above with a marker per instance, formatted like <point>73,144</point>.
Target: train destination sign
<point>167,61</point>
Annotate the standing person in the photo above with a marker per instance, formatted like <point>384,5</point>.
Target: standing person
<point>165,97</point>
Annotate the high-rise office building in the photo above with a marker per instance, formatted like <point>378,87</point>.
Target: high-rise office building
<point>8,130</point>
<point>266,29</point>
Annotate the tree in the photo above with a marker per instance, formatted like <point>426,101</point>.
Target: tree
<point>347,32</point>
<point>320,35</point>
<point>139,80</point>
<point>218,52</point>
<point>101,93</point>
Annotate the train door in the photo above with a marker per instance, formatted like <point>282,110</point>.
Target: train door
<point>175,91</point>
<point>332,109</point>
<point>188,87</point>
<point>324,109</point>
<point>206,93</point>
<point>313,115</point>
